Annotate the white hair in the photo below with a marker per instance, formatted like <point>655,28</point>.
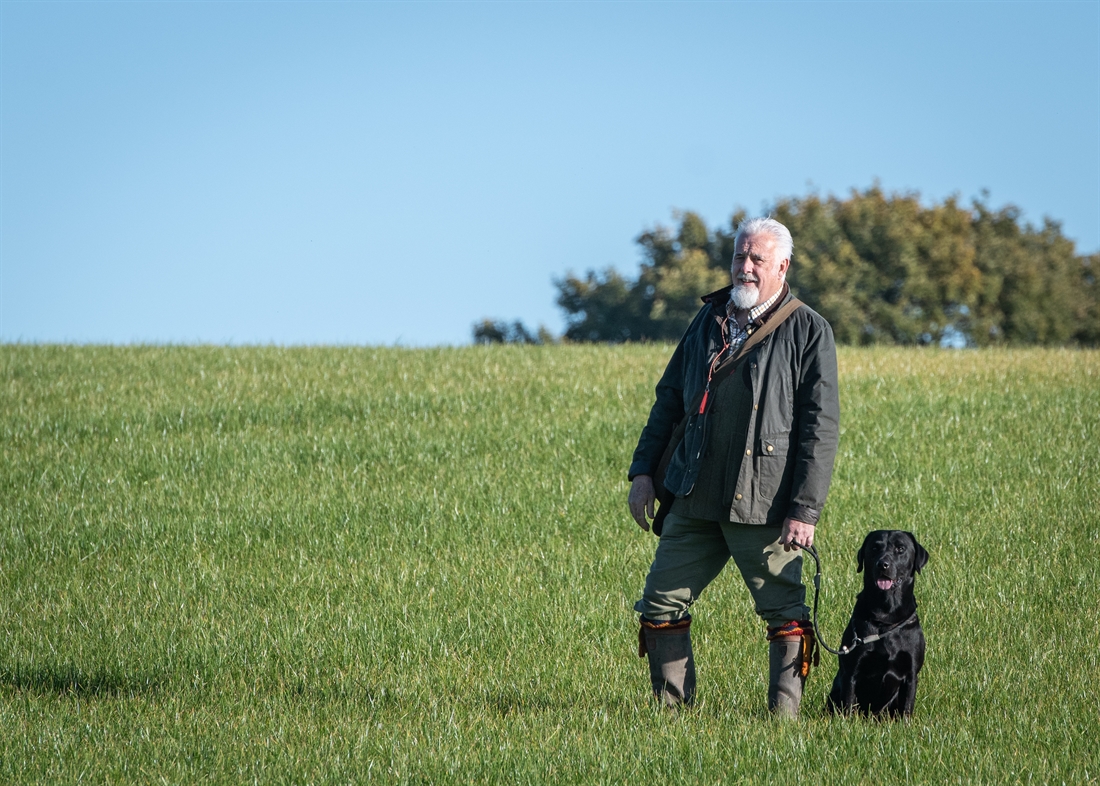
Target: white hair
<point>784,244</point>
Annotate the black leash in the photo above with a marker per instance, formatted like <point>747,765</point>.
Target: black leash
<point>844,650</point>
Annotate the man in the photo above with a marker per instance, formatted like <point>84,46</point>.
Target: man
<point>751,473</point>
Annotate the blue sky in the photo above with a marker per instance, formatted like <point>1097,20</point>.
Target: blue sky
<point>390,173</point>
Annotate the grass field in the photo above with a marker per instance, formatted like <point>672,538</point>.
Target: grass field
<point>329,565</point>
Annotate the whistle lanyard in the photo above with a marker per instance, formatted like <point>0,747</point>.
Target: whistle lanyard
<point>714,364</point>
<point>728,347</point>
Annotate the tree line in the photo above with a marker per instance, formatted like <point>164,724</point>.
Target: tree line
<point>882,268</point>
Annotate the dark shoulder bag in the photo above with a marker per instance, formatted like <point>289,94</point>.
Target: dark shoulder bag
<point>665,497</point>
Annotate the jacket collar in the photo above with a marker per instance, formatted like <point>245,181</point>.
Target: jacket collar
<point>718,297</point>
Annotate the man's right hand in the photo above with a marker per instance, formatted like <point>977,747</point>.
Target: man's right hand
<point>642,500</point>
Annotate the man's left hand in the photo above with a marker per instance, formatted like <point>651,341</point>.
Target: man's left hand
<point>796,534</point>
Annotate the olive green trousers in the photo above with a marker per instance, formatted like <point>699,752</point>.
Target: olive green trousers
<point>692,552</point>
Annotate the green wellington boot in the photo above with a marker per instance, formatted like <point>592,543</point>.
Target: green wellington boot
<point>671,665</point>
<point>785,678</point>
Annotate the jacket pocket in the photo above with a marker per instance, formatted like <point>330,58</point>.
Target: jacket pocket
<point>770,462</point>
<point>684,465</point>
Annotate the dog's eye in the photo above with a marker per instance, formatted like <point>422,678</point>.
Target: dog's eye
<point>899,549</point>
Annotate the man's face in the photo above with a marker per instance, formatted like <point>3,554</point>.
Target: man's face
<point>757,270</point>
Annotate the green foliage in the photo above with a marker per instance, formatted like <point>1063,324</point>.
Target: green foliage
<point>489,331</point>
<point>676,270</point>
<point>348,565</point>
<point>882,268</point>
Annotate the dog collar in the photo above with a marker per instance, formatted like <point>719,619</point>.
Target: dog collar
<point>844,650</point>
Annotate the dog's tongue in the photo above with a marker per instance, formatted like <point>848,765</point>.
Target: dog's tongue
<point>884,584</point>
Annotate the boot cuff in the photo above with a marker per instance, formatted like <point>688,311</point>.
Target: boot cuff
<point>666,626</point>
<point>792,628</point>
<point>804,630</point>
<point>662,627</point>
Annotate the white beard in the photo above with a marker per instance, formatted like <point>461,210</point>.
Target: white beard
<point>744,297</point>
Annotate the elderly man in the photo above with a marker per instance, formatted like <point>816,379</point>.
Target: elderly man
<point>752,470</point>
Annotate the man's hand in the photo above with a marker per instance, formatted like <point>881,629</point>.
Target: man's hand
<point>796,534</point>
<point>641,500</point>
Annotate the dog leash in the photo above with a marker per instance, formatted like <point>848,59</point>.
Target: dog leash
<point>844,650</point>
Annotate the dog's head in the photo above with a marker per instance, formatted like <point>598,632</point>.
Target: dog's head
<point>893,557</point>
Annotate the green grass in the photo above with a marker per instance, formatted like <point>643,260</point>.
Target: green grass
<point>326,565</point>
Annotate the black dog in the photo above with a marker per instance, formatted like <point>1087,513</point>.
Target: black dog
<point>883,643</point>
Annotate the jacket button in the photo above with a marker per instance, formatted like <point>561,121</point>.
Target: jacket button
<point>748,452</point>
<point>737,496</point>
<point>769,448</point>
<point>756,406</point>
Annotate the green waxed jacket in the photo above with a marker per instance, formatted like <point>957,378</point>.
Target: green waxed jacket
<point>793,431</point>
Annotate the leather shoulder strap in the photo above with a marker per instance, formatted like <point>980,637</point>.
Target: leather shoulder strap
<point>727,366</point>
<point>758,335</point>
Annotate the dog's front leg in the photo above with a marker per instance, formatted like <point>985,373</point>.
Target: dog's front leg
<point>842,698</point>
<point>908,696</point>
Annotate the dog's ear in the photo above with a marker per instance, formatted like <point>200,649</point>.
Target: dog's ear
<point>920,556</point>
<point>859,557</point>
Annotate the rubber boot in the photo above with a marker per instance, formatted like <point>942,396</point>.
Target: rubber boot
<point>671,665</point>
<point>785,678</point>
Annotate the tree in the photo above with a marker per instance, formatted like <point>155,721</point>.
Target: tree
<point>489,331</point>
<point>676,270</point>
<point>882,268</point>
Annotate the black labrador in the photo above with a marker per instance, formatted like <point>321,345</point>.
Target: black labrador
<point>883,643</point>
